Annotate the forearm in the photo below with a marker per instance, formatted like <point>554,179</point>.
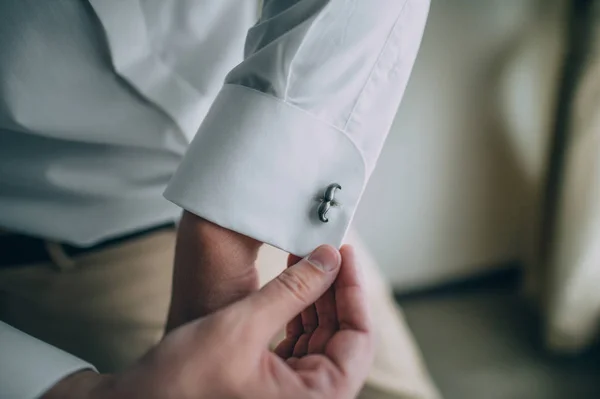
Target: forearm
<point>214,267</point>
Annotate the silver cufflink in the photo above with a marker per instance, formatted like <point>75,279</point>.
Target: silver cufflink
<point>327,201</point>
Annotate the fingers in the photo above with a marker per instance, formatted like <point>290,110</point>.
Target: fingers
<point>308,322</point>
<point>296,288</point>
<point>340,350</point>
<point>351,348</point>
<point>350,296</point>
<point>294,328</point>
<point>327,319</point>
<point>310,332</point>
<point>293,331</point>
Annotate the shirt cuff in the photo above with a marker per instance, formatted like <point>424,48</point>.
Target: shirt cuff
<point>29,367</point>
<point>259,165</point>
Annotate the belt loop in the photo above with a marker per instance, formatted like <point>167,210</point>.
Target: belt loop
<point>60,258</point>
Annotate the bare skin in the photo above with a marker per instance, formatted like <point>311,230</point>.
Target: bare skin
<point>213,267</point>
<point>326,353</point>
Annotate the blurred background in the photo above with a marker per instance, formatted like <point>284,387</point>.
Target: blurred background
<point>468,148</point>
<point>482,208</point>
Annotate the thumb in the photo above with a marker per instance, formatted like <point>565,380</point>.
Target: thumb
<point>292,291</point>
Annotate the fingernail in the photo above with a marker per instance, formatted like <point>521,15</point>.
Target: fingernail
<point>325,258</point>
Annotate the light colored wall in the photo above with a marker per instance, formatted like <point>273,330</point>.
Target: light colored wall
<point>459,176</point>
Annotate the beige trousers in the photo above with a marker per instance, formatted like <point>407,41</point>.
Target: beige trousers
<point>111,306</point>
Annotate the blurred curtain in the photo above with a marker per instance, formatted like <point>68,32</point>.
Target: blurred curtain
<point>564,269</point>
<point>463,168</point>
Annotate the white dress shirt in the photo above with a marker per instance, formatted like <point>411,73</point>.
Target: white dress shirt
<point>99,101</point>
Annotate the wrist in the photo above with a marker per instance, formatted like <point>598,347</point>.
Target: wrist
<point>213,236</point>
<point>214,267</point>
<point>84,384</point>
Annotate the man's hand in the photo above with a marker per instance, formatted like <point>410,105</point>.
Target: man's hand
<point>213,267</point>
<point>326,354</point>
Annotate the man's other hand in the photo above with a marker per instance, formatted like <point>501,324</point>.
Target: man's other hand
<point>326,353</point>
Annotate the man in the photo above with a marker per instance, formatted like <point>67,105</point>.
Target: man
<point>99,102</point>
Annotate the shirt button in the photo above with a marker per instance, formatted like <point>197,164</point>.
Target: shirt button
<point>327,201</point>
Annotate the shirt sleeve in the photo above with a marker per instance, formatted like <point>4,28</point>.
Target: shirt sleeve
<point>310,106</point>
<point>29,367</point>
